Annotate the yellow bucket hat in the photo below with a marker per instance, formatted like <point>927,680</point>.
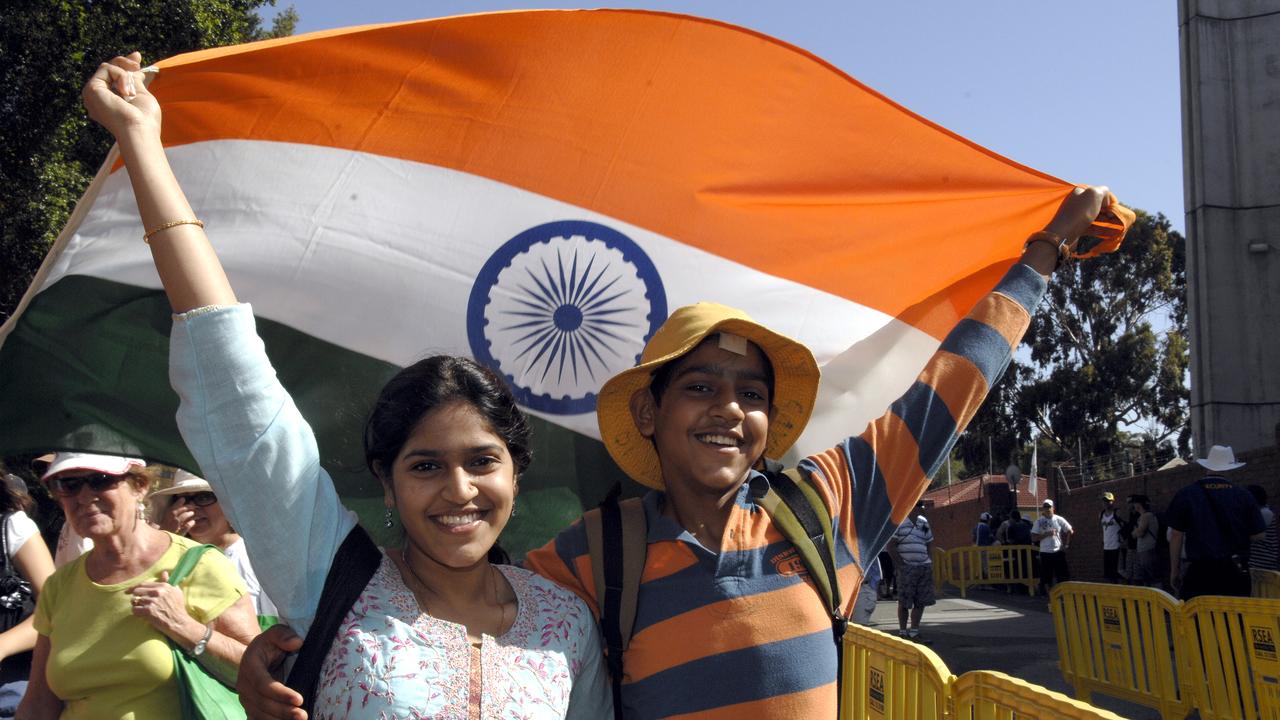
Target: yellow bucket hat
<point>795,385</point>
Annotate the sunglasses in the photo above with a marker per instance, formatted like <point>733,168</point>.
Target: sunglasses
<point>70,486</point>
<point>200,499</point>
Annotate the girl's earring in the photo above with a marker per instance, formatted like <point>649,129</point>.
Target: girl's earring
<point>386,519</point>
<point>513,511</point>
<point>142,512</point>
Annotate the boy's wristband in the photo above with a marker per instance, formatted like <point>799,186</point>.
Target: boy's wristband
<point>1058,242</point>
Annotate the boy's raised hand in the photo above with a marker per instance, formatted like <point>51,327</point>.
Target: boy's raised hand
<point>117,98</point>
<point>1077,212</point>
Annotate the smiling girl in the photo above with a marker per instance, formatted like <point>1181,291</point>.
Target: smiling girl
<point>439,630</point>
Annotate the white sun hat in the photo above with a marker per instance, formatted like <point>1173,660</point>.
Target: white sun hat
<point>184,483</point>
<point>1221,458</point>
<point>109,464</point>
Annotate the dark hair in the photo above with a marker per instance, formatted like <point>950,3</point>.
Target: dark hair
<point>432,383</point>
<point>662,375</point>
<point>1142,500</point>
<point>12,499</point>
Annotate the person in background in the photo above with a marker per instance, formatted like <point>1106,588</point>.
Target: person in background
<point>1128,544</point>
<point>1109,519</point>
<point>1264,554</point>
<point>1216,521</point>
<point>1146,567</point>
<point>868,594</point>
<point>106,620</point>
<point>190,509</point>
<point>27,565</point>
<point>1053,532</point>
<point>911,544</point>
<point>888,584</point>
<point>981,533</point>
<point>1017,531</point>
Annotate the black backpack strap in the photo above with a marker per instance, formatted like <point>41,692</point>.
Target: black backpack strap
<point>801,516</point>
<point>4,542</point>
<point>617,541</point>
<point>353,566</point>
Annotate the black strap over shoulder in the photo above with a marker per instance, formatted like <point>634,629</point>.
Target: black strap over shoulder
<point>611,608</point>
<point>353,566</point>
<point>617,541</point>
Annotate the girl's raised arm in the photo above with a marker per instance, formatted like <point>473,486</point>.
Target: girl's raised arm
<point>117,98</point>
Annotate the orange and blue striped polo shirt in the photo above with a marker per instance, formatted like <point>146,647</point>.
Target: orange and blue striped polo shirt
<point>741,632</point>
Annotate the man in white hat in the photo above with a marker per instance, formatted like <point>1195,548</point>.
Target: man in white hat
<point>1053,532</point>
<point>1216,521</point>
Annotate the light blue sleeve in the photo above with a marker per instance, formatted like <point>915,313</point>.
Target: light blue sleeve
<point>592,695</point>
<point>259,454</point>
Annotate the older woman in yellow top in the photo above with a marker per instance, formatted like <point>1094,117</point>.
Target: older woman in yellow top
<point>105,621</point>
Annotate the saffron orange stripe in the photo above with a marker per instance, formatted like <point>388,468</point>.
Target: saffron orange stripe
<point>1004,315</point>
<point>958,382</point>
<point>666,559</point>
<point>898,457</point>
<point>721,138</point>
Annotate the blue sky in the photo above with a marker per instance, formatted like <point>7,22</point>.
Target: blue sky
<point>1087,91</point>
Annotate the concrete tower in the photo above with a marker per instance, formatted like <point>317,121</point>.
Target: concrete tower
<point>1231,147</point>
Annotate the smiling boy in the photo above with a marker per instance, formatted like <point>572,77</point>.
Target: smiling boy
<point>726,622</point>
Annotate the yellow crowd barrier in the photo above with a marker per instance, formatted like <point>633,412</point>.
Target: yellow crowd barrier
<point>1231,656</point>
<point>889,677</point>
<point>940,577</point>
<point>1217,655</point>
<point>1120,641</point>
<point>966,567</point>
<point>989,695</point>
<point>1266,584</point>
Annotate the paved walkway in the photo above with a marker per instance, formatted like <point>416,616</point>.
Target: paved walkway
<point>993,631</point>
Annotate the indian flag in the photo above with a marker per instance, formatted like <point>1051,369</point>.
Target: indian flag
<point>537,190</point>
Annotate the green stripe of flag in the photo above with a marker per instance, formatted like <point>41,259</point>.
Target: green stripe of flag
<point>96,352</point>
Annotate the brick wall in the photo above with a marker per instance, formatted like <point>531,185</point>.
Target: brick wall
<point>952,523</point>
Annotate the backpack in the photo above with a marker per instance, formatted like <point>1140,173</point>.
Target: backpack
<point>17,601</point>
<point>616,539</point>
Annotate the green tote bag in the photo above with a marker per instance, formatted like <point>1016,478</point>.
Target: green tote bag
<point>202,696</point>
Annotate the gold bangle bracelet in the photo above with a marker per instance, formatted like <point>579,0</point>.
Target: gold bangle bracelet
<point>146,238</point>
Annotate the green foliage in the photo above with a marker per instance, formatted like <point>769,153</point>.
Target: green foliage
<point>1108,356</point>
<point>49,151</point>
